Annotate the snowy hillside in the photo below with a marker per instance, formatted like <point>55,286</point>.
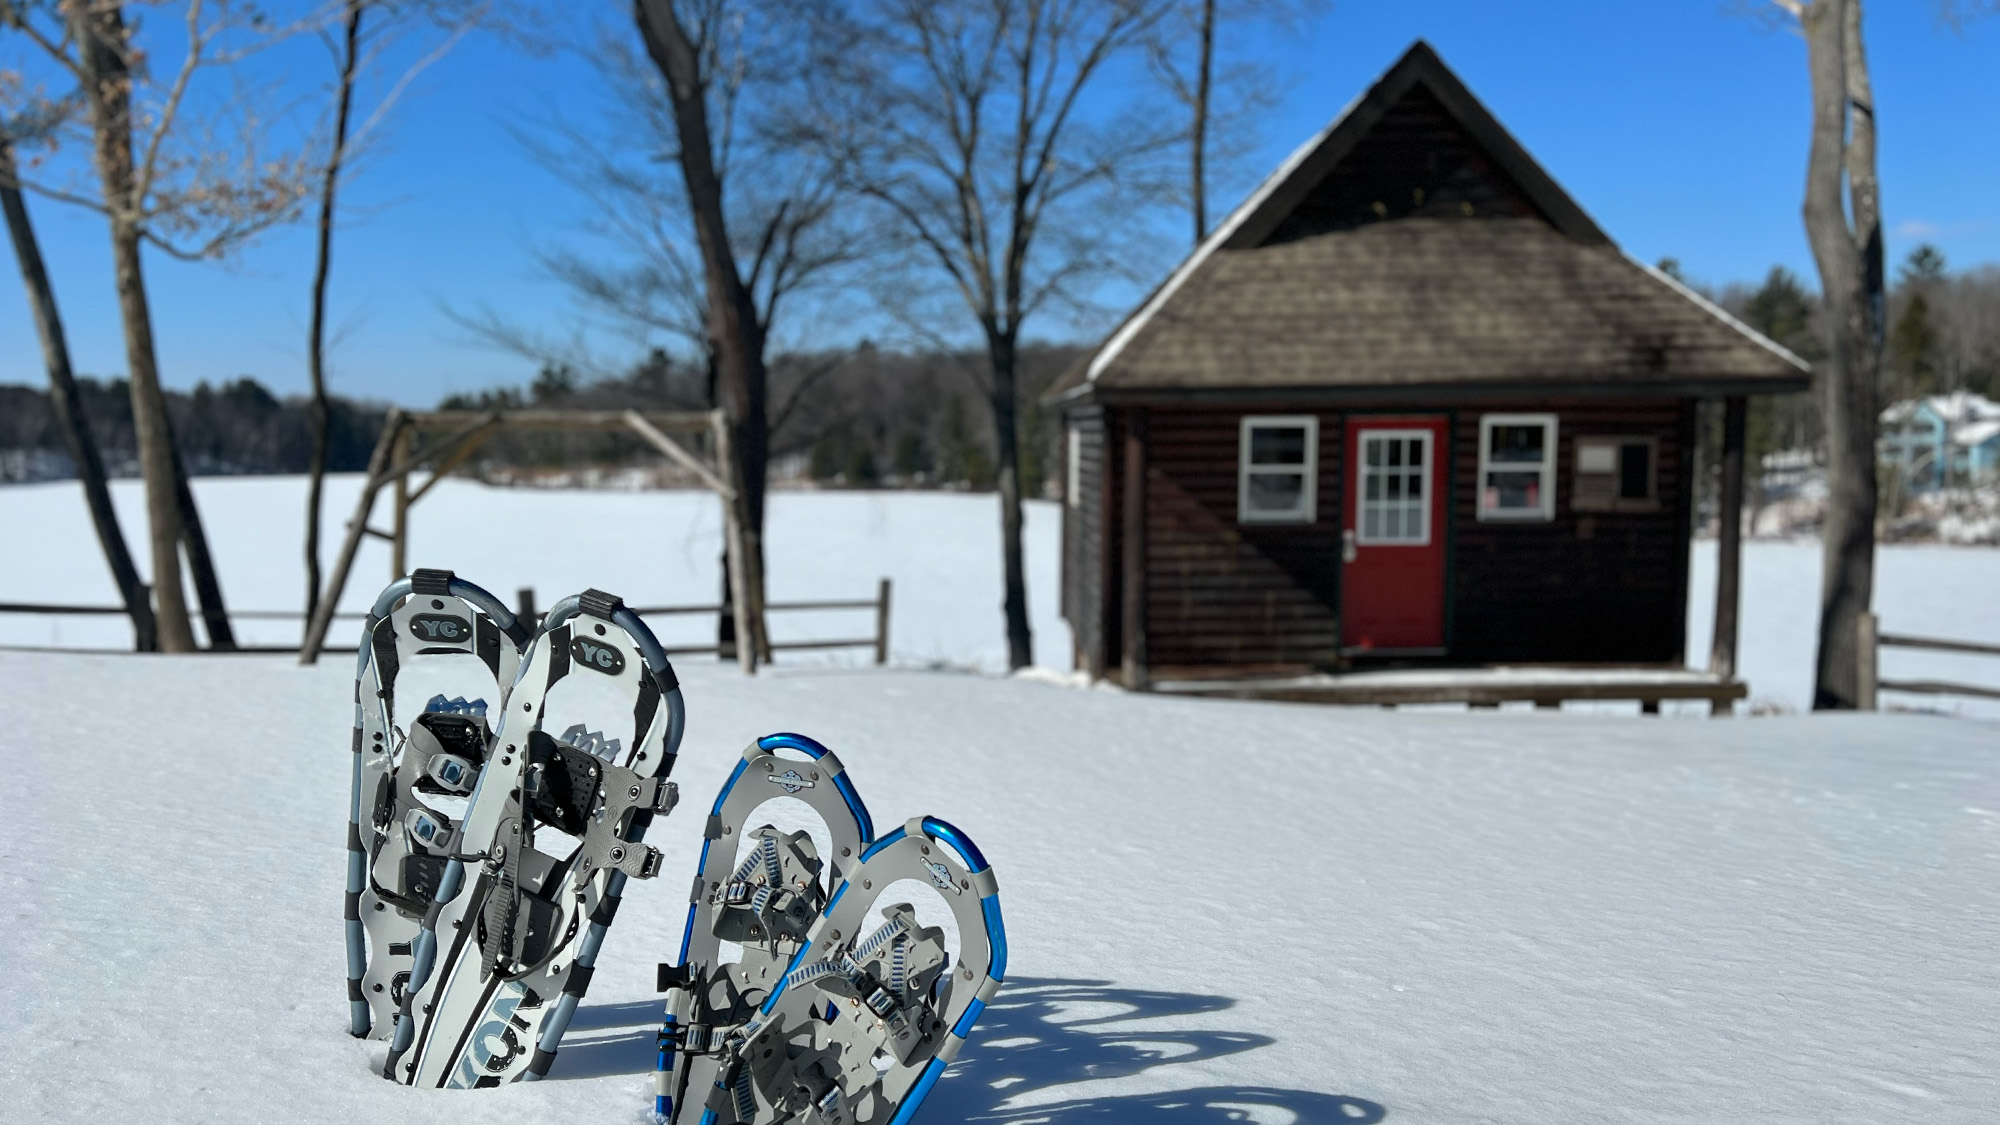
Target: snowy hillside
<point>1217,911</point>
<point>941,549</point>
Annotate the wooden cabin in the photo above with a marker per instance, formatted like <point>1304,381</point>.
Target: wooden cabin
<point>1407,406</point>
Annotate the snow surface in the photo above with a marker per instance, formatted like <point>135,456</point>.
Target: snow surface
<point>941,549</point>
<point>1217,911</point>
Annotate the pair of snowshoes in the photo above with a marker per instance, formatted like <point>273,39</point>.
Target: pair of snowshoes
<point>472,937</point>
<point>830,1013</point>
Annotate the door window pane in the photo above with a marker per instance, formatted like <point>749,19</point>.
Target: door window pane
<point>1392,509</point>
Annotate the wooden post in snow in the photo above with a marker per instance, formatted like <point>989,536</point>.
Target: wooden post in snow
<point>1867,651</point>
<point>399,530</point>
<point>1729,540</point>
<point>378,466</point>
<point>732,527</point>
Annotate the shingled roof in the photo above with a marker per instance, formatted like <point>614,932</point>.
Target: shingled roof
<point>1413,242</point>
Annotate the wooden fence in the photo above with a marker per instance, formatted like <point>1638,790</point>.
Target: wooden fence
<point>527,611</point>
<point>1873,641</point>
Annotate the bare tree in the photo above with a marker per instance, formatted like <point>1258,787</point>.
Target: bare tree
<point>352,54</point>
<point>966,123</point>
<point>37,120</point>
<point>750,249</point>
<point>1843,220</point>
<point>1182,48</point>
<point>163,181</point>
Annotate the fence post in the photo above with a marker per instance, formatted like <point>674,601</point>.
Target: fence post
<point>1868,654</point>
<point>524,601</point>
<point>882,623</point>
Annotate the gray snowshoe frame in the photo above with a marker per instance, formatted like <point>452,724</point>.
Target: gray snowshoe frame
<point>431,612</point>
<point>692,1036</point>
<point>524,930</point>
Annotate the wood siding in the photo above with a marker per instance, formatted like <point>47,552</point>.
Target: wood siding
<point>1418,162</point>
<point>1586,586</point>
<point>1220,593</point>
<point>1084,546</point>
<point>1227,598</point>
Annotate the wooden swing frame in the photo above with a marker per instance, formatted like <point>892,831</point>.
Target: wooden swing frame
<point>394,460</point>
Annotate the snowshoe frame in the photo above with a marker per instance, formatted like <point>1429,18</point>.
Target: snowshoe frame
<point>439,613</point>
<point>686,1058</point>
<point>525,928</point>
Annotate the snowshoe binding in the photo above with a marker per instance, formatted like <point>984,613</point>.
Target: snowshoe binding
<point>537,865</point>
<point>871,1011</point>
<point>763,904</point>
<point>396,836</point>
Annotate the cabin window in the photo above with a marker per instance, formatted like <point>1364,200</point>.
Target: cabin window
<point>1517,467</point>
<point>1073,468</point>
<point>1279,460</point>
<point>1616,474</point>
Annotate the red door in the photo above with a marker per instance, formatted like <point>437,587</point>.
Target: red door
<point>1392,535</point>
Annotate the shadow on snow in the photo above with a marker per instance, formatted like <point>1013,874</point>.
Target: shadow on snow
<point>1038,1036</point>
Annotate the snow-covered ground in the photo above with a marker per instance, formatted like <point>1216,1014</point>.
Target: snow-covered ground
<point>941,549</point>
<point>1217,911</point>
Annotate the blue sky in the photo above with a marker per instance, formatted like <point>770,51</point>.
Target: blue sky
<point>1680,125</point>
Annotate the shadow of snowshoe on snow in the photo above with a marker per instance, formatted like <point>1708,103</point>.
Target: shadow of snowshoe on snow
<point>1040,1035</point>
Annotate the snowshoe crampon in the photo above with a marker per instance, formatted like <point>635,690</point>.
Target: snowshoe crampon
<point>760,890</point>
<point>396,836</point>
<point>871,1012</point>
<point>537,865</point>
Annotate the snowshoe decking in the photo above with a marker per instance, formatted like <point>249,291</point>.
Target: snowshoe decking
<point>396,854</point>
<point>765,904</point>
<point>870,1012</point>
<point>511,937</point>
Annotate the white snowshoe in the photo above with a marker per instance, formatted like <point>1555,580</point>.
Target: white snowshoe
<point>869,1013</point>
<point>764,905</point>
<point>511,937</point>
<point>396,854</point>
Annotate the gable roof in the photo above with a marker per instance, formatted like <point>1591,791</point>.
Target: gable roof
<point>1540,295</point>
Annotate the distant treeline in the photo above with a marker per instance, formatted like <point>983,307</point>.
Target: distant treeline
<point>235,428</point>
<point>861,417</point>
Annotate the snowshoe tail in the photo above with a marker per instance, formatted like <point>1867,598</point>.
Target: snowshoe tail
<point>765,904</point>
<point>871,1011</point>
<point>395,841</point>
<point>510,937</point>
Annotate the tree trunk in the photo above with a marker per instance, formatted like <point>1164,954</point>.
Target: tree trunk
<point>1199,138</point>
<point>100,32</point>
<point>67,405</point>
<point>1002,352</point>
<point>735,333</point>
<point>316,331</point>
<point>201,566</point>
<point>1851,279</point>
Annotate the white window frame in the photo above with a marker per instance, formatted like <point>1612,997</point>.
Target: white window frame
<point>1244,470</point>
<point>1361,474</point>
<point>1546,509</point>
<point>1073,470</point>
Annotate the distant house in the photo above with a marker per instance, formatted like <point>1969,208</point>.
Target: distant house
<point>1941,440</point>
<point>1407,405</point>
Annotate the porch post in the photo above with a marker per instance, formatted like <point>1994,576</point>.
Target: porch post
<point>1729,540</point>
<point>1134,616</point>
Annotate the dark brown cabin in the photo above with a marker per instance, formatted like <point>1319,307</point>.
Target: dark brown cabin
<point>1407,405</point>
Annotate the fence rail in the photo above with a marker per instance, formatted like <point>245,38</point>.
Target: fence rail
<point>525,603</point>
<point>1873,641</point>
